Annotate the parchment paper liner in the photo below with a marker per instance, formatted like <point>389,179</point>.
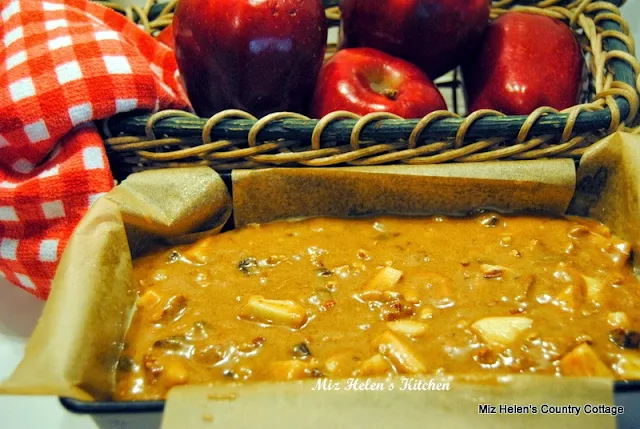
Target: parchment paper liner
<point>269,406</point>
<point>74,348</point>
<point>264,195</point>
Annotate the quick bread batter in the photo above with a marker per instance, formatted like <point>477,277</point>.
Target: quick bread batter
<point>367,297</point>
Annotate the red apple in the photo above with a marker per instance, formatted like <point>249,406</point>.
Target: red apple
<point>260,56</point>
<point>436,35</point>
<point>365,80</point>
<point>524,62</point>
<point>166,36</point>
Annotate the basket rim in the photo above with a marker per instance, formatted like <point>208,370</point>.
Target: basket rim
<point>390,129</point>
<point>614,107</point>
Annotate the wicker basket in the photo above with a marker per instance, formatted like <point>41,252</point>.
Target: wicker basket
<point>235,139</point>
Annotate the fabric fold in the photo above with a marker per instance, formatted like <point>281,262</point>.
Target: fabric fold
<point>63,65</point>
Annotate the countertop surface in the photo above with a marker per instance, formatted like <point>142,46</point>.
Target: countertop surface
<point>19,313</point>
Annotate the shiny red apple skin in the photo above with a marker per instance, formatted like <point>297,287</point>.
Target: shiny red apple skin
<point>260,56</point>
<point>345,83</point>
<point>524,62</point>
<point>166,36</point>
<point>436,35</point>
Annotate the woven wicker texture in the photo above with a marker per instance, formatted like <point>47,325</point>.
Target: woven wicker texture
<point>235,139</point>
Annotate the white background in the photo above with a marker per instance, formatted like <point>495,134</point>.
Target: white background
<point>19,313</point>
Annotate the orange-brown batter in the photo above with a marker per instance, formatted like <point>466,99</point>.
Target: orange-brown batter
<point>367,297</point>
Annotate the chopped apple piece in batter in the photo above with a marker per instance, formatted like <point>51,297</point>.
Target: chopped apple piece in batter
<point>403,358</point>
<point>291,370</point>
<point>385,279</point>
<point>501,331</point>
<point>583,361</point>
<point>618,319</point>
<point>275,312</point>
<point>595,288</point>
<point>629,366</point>
<point>571,298</point>
<point>408,328</point>
<point>375,365</point>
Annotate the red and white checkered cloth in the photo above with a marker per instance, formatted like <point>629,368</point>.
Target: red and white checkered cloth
<point>63,64</point>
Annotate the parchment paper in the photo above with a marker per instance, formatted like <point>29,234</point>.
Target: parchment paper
<point>76,344</point>
<point>608,187</point>
<point>276,406</point>
<point>266,195</point>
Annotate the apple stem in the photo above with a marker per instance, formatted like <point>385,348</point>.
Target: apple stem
<point>391,94</point>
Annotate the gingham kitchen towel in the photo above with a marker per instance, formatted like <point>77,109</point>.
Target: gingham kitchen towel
<point>63,64</point>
